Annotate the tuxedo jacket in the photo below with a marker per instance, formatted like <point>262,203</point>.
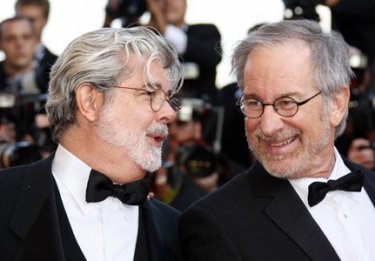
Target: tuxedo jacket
<point>204,49</point>
<point>34,224</point>
<point>256,216</point>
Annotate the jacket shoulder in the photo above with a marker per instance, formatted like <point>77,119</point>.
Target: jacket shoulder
<point>227,194</point>
<point>164,211</point>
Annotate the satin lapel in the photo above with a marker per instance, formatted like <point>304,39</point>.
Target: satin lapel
<point>142,248</point>
<point>290,214</point>
<point>35,216</point>
<point>370,187</point>
<point>369,181</point>
<point>152,232</point>
<point>157,230</point>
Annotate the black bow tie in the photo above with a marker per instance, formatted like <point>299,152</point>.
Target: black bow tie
<point>99,187</point>
<point>350,182</point>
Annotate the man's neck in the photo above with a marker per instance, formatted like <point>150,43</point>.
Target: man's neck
<point>119,168</point>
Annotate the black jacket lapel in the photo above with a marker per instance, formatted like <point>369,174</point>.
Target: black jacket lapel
<point>158,231</point>
<point>142,249</point>
<point>369,181</point>
<point>290,214</point>
<point>35,217</point>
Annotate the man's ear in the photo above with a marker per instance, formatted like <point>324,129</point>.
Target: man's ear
<point>89,101</point>
<point>339,106</point>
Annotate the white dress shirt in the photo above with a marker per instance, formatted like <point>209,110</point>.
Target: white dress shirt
<point>177,37</point>
<point>346,218</point>
<point>105,230</point>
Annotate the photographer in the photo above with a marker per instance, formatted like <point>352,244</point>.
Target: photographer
<point>13,152</point>
<point>354,19</point>
<point>17,72</point>
<point>128,11</point>
<point>362,147</point>
<point>172,184</point>
<point>198,45</point>
<point>21,90</point>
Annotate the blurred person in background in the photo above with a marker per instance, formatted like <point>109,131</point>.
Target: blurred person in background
<point>362,145</point>
<point>301,200</point>
<point>23,89</point>
<point>111,98</point>
<point>199,45</point>
<point>233,144</point>
<point>173,183</point>
<point>357,140</point>
<point>18,77</point>
<point>127,11</point>
<point>17,41</point>
<point>18,82</point>
<point>355,20</point>
<point>38,12</point>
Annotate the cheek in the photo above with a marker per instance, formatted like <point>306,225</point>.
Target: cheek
<point>137,120</point>
<point>251,126</point>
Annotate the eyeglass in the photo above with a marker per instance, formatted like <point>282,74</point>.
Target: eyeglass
<point>158,98</point>
<point>284,106</point>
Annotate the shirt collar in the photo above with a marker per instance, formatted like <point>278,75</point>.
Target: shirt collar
<point>39,52</point>
<point>73,174</point>
<point>301,185</point>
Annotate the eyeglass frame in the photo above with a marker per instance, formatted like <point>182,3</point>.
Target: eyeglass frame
<point>176,108</point>
<point>241,100</point>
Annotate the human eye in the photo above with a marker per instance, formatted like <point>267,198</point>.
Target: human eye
<point>252,104</point>
<point>285,103</point>
<point>148,93</point>
<point>10,39</point>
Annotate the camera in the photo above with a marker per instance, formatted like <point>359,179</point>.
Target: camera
<point>21,109</point>
<point>196,160</point>
<point>127,10</point>
<point>13,154</point>
<point>192,109</point>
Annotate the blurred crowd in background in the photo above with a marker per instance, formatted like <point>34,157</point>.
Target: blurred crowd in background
<point>206,145</point>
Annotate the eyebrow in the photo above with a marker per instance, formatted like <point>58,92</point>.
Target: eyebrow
<point>152,86</point>
<point>293,95</point>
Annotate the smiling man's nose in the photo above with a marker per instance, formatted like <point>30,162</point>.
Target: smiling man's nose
<point>270,121</point>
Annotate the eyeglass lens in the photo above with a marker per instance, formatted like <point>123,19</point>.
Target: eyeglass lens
<point>160,97</point>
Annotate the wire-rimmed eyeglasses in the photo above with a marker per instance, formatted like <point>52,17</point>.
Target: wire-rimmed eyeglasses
<point>284,106</point>
<point>157,97</point>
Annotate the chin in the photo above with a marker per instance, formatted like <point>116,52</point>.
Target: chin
<point>150,161</point>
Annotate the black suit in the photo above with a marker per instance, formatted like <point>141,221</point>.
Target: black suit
<point>356,21</point>
<point>257,217</point>
<point>34,225</point>
<point>44,68</point>
<point>204,49</point>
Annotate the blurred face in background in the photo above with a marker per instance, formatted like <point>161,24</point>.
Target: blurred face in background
<point>174,11</point>
<point>185,132</point>
<point>36,15</point>
<point>18,43</point>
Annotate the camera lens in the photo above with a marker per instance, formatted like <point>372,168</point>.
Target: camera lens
<point>13,154</point>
